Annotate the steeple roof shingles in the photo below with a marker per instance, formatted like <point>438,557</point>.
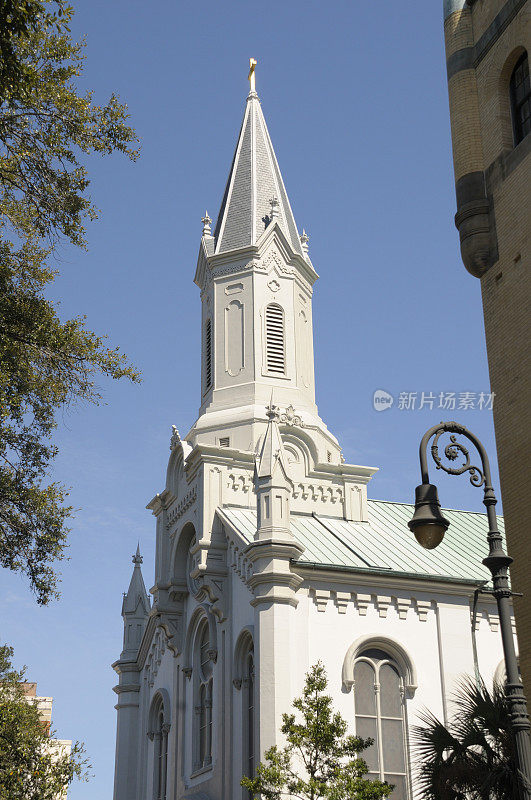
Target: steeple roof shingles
<point>254,180</point>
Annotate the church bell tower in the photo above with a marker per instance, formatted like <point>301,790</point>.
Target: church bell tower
<point>256,279</point>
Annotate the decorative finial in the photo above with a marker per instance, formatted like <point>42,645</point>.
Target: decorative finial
<point>206,224</point>
<point>137,558</point>
<point>275,213</point>
<point>304,241</point>
<point>252,77</point>
<point>272,410</point>
<point>175,438</point>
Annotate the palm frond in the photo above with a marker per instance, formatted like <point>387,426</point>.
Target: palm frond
<point>474,756</point>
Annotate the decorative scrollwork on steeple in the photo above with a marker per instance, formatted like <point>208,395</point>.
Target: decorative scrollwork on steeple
<point>290,417</point>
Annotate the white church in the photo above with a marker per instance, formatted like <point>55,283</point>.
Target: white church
<point>269,554</point>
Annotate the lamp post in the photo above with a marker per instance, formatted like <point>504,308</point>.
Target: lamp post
<point>429,527</point>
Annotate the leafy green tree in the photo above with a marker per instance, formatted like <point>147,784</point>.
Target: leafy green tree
<point>47,128</point>
<point>17,18</point>
<point>319,760</point>
<point>474,756</point>
<point>31,767</point>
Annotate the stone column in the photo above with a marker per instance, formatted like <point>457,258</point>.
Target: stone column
<point>275,602</point>
<point>126,761</point>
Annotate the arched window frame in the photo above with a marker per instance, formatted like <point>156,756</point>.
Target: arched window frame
<point>203,680</point>
<point>158,733</point>
<point>275,340</point>
<point>244,681</point>
<point>520,98</point>
<point>399,659</point>
<point>396,651</point>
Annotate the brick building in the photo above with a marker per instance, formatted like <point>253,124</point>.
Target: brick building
<point>487,46</point>
<point>58,747</point>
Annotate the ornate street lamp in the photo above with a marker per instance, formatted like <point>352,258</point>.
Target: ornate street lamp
<point>429,527</point>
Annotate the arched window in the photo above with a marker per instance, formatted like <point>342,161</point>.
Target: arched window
<point>379,706</point>
<point>159,736</point>
<point>520,91</point>
<point>203,698</point>
<point>248,714</point>
<point>208,354</point>
<point>275,339</point>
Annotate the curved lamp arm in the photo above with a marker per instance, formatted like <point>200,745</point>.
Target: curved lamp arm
<point>478,477</point>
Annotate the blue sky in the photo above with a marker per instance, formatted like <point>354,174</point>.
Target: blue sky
<point>355,98</point>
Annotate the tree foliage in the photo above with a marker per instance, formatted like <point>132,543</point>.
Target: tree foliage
<point>32,767</point>
<point>472,758</point>
<point>47,128</point>
<point>319,760</point>
<point>17,19</point>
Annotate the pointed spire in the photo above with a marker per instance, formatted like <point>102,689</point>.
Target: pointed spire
<point>136,594</point>
<point>272,453</point>
<point>273,485</point>
<point>254,179</point>
<point>137,558</point>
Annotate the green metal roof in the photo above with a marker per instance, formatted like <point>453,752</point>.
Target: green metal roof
<point>384,543</point>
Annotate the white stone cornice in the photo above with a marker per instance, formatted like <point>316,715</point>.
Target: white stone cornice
<point>382,604</point>
<point>423,607</point>
<point>403,604</point>
<point>272,579</point>
<point>274,548</point>
<point>177,509</point>
<point>362,603</point>
<point>321,598</point>
<point>494,621</point>
<point>160,502</point>
<point>210,454</point>
<point>386,580</point>
<point>342,599</point>
<point>121,688</point>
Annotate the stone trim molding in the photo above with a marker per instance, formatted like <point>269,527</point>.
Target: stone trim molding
<point>390,646</point>
<point>182,506</point>
<point>380,602</point>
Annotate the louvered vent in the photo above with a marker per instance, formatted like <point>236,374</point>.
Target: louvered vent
<point>275,349</point>
<point>224,441</point>
<point>208,354</point>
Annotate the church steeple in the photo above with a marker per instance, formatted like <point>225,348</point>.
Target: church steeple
<point>256,280</point>
<point>135,609</point>
<point>254,182</point>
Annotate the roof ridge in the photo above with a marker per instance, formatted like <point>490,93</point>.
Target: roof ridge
<point>445,508</point>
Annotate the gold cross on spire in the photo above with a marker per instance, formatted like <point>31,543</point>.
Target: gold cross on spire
<point>252,80</point>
